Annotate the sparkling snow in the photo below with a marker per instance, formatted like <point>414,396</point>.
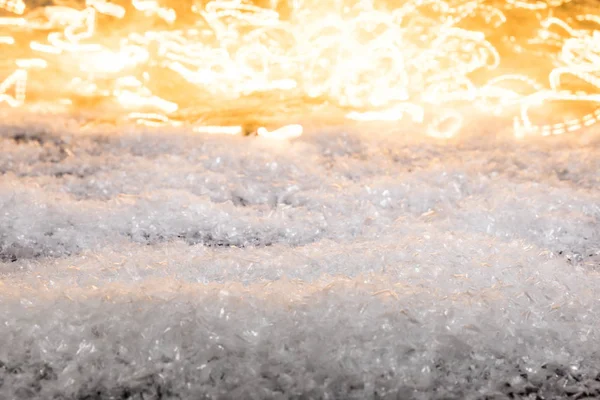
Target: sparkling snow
<point>146,265</point>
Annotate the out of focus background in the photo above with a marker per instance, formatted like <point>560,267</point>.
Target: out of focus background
<point>532,65</point>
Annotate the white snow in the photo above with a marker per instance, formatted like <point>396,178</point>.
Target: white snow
<point>340,265</point>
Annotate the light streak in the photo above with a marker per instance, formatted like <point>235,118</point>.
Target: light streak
<point>283,133</point>
<point>395,113</point>
<point>105,8</point>
<point>420,60</point>
<point>151,7</point>
<point>12,21</point>
<point>18,81</point>
<point>219,130</point>
<point>31,63</point>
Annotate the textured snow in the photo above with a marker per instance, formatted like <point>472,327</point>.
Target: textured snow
<point>349,265</point>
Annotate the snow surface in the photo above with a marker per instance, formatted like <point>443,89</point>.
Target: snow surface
<point>146,265</point>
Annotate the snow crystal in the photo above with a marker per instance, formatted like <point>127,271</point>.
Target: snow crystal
<point>339,265</point>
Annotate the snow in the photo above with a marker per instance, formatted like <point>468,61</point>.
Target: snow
<point>344,264</point>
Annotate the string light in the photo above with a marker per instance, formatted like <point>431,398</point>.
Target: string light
<point>382,65</point>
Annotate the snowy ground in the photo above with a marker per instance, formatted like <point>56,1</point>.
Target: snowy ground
<point>350,266</point>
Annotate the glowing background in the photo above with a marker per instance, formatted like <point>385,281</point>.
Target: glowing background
<point>230,66</point>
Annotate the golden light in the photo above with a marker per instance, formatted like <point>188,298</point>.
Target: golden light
<point>416,60</point>
<point>13,6</point>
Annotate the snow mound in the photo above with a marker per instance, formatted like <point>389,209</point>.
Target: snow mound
<point>344,265</point>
